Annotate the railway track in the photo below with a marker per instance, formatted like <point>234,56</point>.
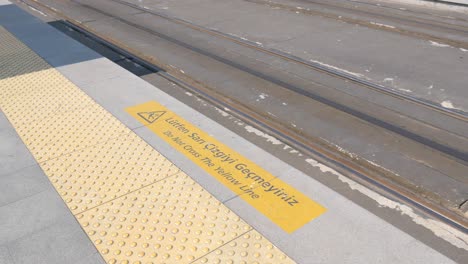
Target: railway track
<point>447,150</point>
<point>342,164</point>
<point>449,28</point>
<point>452,112</point>
<point>435,1</point>
<point>440,25</point>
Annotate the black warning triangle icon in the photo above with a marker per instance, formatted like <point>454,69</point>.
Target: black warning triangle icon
<point>150,117</point>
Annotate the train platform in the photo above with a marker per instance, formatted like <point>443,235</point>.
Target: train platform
<point>99,166</point>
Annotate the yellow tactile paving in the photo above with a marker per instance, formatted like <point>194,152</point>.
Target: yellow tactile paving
<point>61,133</point>
<point>249,248</point>
<point>103,172</point>
<point>37,97</point>
<point>174,220</point>
<point>135,205</point>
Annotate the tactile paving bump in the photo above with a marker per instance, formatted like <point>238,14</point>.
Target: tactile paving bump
<point>135,205</point>
<point>171,221</point>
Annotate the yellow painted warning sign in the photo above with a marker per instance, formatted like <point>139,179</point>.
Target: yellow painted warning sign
<point>281,203</point>
<point>150,117</point>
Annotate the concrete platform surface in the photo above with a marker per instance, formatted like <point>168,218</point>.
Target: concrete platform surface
<point>96,168</point>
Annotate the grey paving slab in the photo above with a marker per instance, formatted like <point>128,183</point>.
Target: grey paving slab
<point>4,2</point>
<point>92,71</point>
<point>5,257</point>
<point>118,93</point>
<point>31,214</point>
<point>56,48</point>
<point>63,56</point>
<point>11,15</point>
<point>13,153</point>
<point>93,259</point>
<point>21,184</point>
<point>52,45</point>
<point>62,242</point>
<point>31,31</point>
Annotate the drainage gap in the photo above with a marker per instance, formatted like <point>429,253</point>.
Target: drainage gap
<point>125,59</point>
